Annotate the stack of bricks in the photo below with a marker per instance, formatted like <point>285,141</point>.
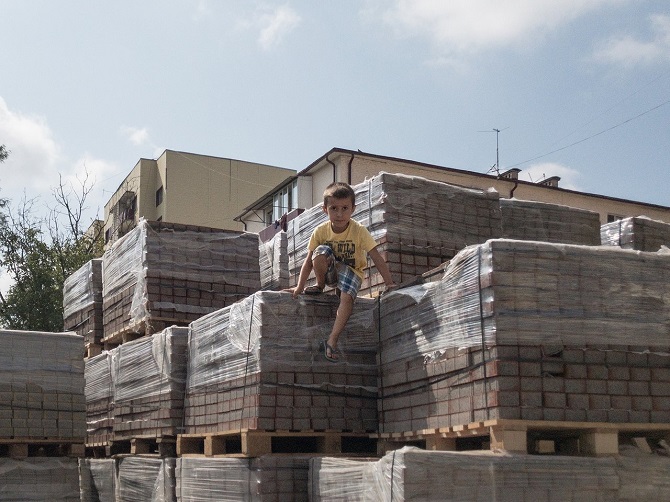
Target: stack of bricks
<point>144,478</point>
<point>274,263</point>
<point>538,221</point>
<point>529,330</point>
<point>333,478</point>
<point>82,302</point>
<point>416,474</point>
<point>97,479</point>
<point>417,223</point>
<point>161,274</point>
<point>39,478</point>
<point>265,478</point>
<point>149,376</point>
<point>639,233</point>
<point>258,365</point>
<point>99,392</point>
<point>42,388</point>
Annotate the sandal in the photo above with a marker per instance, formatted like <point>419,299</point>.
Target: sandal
<point>313,290</point>
<point>329,352</point>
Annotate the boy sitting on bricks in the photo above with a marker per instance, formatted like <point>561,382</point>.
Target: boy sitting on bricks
<point>337,253</point>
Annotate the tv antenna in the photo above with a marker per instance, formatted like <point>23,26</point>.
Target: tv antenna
<point>496,167</point>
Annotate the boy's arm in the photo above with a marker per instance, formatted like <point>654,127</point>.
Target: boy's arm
<point>382,267</point>
<point>305,270</point>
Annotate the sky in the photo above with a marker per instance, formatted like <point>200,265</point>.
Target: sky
<point>575,88</point>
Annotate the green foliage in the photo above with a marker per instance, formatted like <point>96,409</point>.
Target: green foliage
<point>38,264</point>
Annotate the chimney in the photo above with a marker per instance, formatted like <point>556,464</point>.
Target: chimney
<point>550,182</point>
<point>511,174</point>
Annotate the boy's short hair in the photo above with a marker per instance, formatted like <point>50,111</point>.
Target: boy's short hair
<point>339,190</point>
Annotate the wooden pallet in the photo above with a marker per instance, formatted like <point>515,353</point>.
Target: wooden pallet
<point>164,446</point>
<point>140,329</point>
<point>254,443</point>
<point>528,436</point>
<point>18,448</point>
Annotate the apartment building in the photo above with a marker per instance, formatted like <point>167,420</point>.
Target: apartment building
<point>305,189</point>
<point>191,189</point>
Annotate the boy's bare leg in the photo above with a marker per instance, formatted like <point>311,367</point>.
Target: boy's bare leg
<point>320,266</point>
<point>343,313</point>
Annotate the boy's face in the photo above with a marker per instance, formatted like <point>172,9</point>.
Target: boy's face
<point>339,212</point>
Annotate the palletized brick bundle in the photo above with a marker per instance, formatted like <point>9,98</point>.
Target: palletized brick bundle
<point>82,302</point>
<point>415,474</point>
<point>274,263</point>
<point>417,223</point>
<point>149,377</point>
<point>143,478</point>
<point>257,365</point>
<point>643,234</point>
<point>539,221</point>
<point>160,274</point>
<point>99,392</point>
<point>266,478</point>
<point>42,386</point>
<point>97,479</point>
<point>571,333</point>
<point>39,479</point>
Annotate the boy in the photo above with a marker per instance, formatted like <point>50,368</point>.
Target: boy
<point>336,252</point>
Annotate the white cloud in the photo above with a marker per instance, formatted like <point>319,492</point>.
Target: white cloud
<point>137,136</point>
<point>459,28</point>
<point>629,51</point>
<point>538,172</point>
<point>275,25</point>
<point>140,137</point>
<point>202,10</point>
<point>33,157</point>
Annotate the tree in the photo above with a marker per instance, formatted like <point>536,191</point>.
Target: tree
<point>39,261</point>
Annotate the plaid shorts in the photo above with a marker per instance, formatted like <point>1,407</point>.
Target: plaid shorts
<point>339,274</point>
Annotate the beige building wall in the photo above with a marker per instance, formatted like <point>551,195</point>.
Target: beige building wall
<point>363,167</point>
<point>197,189</point>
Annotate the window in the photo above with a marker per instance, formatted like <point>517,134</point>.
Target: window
<point>159,196</point>
<point>614,217</point>
<point>285,200</point>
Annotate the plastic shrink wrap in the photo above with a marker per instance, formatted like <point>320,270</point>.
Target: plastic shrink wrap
<point>529,330</point>
<point>640,233</point>
<point>258,364</point>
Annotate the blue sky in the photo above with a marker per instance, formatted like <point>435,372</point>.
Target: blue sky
<point>577,88</point>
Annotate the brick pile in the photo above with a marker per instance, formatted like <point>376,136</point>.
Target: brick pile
<point>97,479</point>
<point>82,302</point>
<point>267,478</point>
<point>99,392</point>
<point>643,234</point>
<point>149,376</point>
<point>417,223</point>
<point>42,388</point>
<point>529,330</point>
<point>539,221</point>
<point>38,479</point>
<point>274,263</point>
<point>161,274</point>
<point>257,365</point>
<point>145,478</point>
<point>414,474</point>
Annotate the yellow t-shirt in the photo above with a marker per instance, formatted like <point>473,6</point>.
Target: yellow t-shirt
<point>350,247</point>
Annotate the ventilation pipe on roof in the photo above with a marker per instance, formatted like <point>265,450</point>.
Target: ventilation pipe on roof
<point>512,175</point>
<point>550,182</point>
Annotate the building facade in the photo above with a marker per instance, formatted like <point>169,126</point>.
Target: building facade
<point>190,189</point>
<point>354,167</point>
